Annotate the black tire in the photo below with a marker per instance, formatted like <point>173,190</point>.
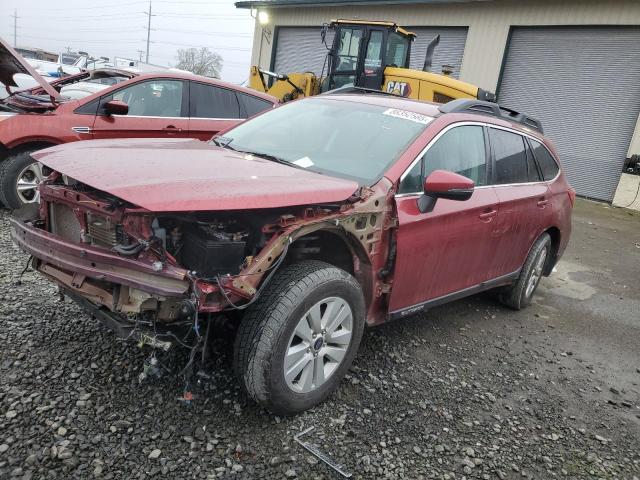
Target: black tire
<point>10,169</point>
<point>267,326</point>
<point>516,296</point>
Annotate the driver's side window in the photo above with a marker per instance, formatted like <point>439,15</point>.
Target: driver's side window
<point>460,150</point>
<point>155,98</point>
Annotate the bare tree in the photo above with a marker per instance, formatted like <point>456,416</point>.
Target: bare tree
<point>201,62</point>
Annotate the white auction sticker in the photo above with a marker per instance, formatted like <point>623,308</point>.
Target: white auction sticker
<point>304,162</point>
<point>413,116</point>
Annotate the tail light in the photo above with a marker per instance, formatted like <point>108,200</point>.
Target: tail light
<point>572,195</point>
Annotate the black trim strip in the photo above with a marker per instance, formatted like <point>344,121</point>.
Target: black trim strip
<point>450,297</point>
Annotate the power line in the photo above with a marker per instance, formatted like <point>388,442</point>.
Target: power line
<point>238,49</point>
<point>108,42</point>
<point>127,4</point>
<point>209,32</point>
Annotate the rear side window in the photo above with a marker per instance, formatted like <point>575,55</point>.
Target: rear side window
<point>460,150</point>
<point>253,105</point>
<point>532,169</point>
<point>208,101</point>
<point>546,162</point>
<point>510,156</point>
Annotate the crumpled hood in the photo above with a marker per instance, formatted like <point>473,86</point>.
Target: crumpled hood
<point>171,175</point>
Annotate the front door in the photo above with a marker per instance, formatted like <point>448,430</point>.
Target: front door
<point>346,57</point>
<point>452,247</point>
<point>157,108</point>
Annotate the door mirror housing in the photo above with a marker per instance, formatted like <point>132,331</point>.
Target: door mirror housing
<point>444,184</point>
<point>116,107</point>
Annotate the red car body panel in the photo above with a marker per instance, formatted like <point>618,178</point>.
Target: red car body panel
<point>209,179</point>
<point>432,236</point>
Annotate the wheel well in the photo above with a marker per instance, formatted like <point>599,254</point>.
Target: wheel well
<point>554,233</point>
<point>30,146</point>
<point>336,249</point>
<point>325,246</point>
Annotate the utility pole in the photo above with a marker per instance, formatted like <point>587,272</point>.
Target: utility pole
<point>148,29</point>
<point>15,27</point>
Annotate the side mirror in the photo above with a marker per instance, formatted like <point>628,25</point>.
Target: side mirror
<point>116,107</point>
<point>444,184</point>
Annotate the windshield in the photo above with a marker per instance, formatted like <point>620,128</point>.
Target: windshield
<point>345,139</point>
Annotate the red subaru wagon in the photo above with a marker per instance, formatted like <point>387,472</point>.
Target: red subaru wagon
<point>123,104</point>
<point>302,225</point>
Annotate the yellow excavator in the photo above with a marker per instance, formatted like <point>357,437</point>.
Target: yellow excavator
<point>370,55</point>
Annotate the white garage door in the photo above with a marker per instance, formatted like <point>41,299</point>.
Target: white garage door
<point>583,83</point>
<point>300,49</point>
<point>448,52</point>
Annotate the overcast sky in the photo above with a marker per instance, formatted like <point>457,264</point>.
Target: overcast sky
<point>119,28</point>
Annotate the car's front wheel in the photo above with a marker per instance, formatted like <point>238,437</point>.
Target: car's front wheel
<point>296,342</point>
<point>520,294</point>
<point>20,176</point>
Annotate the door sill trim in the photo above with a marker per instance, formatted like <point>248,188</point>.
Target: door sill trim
<point>450,297</point>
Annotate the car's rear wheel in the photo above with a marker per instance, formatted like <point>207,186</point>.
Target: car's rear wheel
<point>20,176</point>
<point>296,342</point>
<point>520,294</point>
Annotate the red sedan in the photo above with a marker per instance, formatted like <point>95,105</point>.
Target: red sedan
<point>161,104</point>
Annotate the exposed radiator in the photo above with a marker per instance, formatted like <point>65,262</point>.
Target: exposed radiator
<point>64,222</point>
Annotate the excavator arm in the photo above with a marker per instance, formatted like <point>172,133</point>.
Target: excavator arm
<point>285,87</point>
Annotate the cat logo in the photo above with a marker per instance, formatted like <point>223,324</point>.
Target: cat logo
<point>402,89</point>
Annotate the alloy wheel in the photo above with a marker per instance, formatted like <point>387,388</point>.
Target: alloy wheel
<point>27,184</point>
<point>318,344</point>
<point>536,272</point>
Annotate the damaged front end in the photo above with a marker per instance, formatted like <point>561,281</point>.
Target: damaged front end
<point>151,276</point>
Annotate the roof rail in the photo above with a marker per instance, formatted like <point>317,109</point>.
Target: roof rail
<point>493,109</point>
<point>351,89</point>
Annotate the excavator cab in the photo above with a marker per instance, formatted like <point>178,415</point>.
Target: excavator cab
<point>369,55</point>
<point>362,50</point>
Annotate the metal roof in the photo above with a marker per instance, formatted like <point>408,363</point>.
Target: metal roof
<point>321,3</point>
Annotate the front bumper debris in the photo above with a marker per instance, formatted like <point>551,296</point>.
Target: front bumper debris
<point>97,263</point>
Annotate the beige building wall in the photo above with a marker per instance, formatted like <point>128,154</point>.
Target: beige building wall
<point>488,22</point>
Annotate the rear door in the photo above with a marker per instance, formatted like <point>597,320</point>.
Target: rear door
<point>212,109</point>
<point>453,247</point>
<point>157,108</point>
<point>523,197</point>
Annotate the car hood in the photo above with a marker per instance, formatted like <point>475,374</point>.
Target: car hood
<point>12,63</point>
<point>189,175</point>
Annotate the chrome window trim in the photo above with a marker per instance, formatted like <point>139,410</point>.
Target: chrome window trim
<point>186,118</point>
<point>481,124</point>
<point>219,119</point>
<point>145,116</point>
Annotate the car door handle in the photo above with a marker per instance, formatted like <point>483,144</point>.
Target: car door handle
<point>487,216</point>
<point>542,202</point>
<point>171,129</point>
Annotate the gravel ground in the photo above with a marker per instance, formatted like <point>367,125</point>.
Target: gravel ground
<point>469,390</point>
